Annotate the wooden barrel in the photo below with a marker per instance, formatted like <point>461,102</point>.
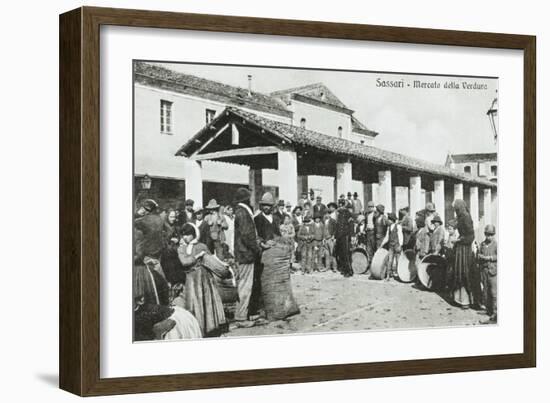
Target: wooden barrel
<point>359,260</point>
<point>406,267</point>
<point>432,272</point>
<point>378,265</point>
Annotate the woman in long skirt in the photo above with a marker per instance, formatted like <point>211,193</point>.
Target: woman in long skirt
<point>465,285</point>
<point>201,295</point>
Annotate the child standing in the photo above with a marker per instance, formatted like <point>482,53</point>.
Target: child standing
<point>305,239</point>
<point>487,259</point>
<point>318,236</point>
<point>329,241</point>
<point>437,237</point>
<point>288,234</point>
<point>394,240</point>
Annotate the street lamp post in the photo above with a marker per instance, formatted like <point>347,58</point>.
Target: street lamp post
<point>492,113</point>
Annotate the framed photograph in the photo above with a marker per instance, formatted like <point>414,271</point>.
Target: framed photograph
<point>249,201</point>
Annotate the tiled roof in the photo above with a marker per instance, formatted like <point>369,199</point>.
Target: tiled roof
<point>479,157</point>
<point>304,137</point>
<point>163,78</point>
<point>358,127</point>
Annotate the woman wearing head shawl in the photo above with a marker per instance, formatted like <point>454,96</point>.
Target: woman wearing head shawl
<point>464,282</point>
<point>201,295</point>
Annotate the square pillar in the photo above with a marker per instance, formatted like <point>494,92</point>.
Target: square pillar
<point>343,181</point>
<point>439,197</point>
<point>459,191</point>
<point>474,205</point>
<point>415,195</point>
<point>255,186</point>
<point>487,207</point>
<point>401,197</point>
<point>288,176</point>
<point>193,181</point>
<point>385,189</point>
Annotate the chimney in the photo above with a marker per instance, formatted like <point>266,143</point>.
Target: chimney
<point>250,85</point>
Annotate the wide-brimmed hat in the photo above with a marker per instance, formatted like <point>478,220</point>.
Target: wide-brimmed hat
<point>189,202</point>
<point>452,223</point>
<point>212,205</point>
<point>281,202</point>
<point>355,194</point>
<point>332,204</point>
<point>349,193</point>
<point>149,205</point>
<point>288,204</point>
<point>430,207</point>
<point>437,218</point>
<point>490,229</point>
<point>298,207</point>
<point>380,208</point>
<point>267,199</point>
<point>241,195</point>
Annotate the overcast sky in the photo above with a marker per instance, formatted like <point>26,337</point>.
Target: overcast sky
<point>425,123</point>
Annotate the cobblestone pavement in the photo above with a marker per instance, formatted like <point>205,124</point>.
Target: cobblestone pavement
<point>331,303</point>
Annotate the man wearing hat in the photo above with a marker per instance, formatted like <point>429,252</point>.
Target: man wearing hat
<point>407,226</point>
<point>394,240</point>
<point>430,214</point>
<point>331,210</point>
<point>357,205</point>
<point>268,227</point>
<point>437,237</point>
<point>487,259</point>
<point>280,212</point>
<point>152,228</point>
<point>380,225</point>
<point>303,200</point>
<point>370,233</point>
<point>288,209</point>
<point>319,208</point>
<point>187,215</point>
<point>247,250</point>
<point>217,225</point>
<point>343,233</point>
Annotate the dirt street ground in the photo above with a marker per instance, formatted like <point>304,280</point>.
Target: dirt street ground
<point>330,303</point>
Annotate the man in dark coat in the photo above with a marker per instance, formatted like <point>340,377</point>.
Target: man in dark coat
<point>247,250</point>
<point>344,230</point>
<point>319,208</point>
<point>152,228</point>
<point>187,214</point>
<point>380,225</point>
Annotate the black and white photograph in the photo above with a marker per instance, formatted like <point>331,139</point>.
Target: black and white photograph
<point>271,200</point>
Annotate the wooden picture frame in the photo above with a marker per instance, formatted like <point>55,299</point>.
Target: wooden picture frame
<point>80,199</point>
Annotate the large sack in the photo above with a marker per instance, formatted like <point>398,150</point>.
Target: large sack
<point>279,302</point>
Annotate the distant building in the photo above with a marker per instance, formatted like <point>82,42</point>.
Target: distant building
<point>478,165</point>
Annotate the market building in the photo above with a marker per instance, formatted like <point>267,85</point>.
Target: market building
<point>209,138</point>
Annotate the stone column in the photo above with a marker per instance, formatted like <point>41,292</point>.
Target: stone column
<point>487,206</point>
<point>401,198</point>
<point>439,197</point>
<point>255,186</point>
<point>385,189</point>
<point>343,181</point>
<point>193,181</point>
<point>415,195</point>
<point>459,191</point>
<point>474,205</point>
<point>288,176</point>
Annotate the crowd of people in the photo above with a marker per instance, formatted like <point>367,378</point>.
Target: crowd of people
<point>201,272</point>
